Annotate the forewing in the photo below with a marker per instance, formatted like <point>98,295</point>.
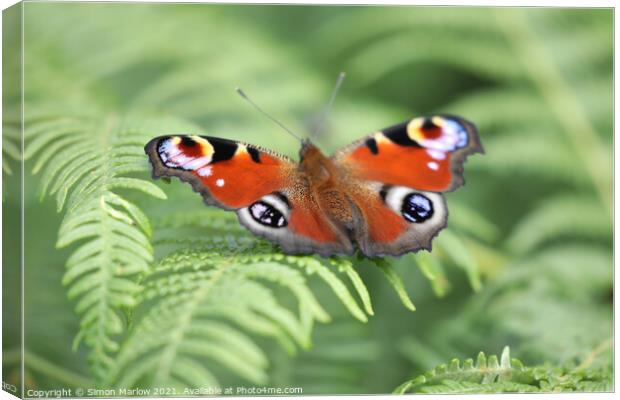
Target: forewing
<point>425,153</point>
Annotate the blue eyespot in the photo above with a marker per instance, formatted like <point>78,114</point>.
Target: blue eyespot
<point>417,208</point>
<point>266,214</point>
<point>459,131</point>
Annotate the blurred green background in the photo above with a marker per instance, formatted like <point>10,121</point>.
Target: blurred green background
<point>533,222</point>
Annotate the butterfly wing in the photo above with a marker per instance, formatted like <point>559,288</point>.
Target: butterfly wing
<point>395,176</point>
<point>394,220</point>
<point>425,153</point>
<point>264,189</point>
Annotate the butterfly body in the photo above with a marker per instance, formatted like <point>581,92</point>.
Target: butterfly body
<point>380,194</point>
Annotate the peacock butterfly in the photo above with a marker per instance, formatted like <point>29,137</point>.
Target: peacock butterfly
<point>381,194</point>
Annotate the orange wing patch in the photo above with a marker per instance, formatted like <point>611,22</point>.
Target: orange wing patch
<point>238,182</point>
<point>307,220</point>
<point>405,166</point>
<point>227,173</point>
<point>425,153</point>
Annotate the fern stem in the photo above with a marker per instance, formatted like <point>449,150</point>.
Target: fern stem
<point>591,356</point>
<point>46,368</point>
<point>183,324</point>
<point>562,99</point>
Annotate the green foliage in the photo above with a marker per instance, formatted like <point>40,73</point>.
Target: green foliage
<point>86,160</point>
<point>558,309</point>
<point>215,286</point>
<point>200,300</point>
<point>542,104</point>
<point>10,142</point>
<point>541,90</point>
<point>556,219</point>
<point>172,293</point>
<point>506,375</point>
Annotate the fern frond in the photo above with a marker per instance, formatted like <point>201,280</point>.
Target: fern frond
<point>217,227</point>
<point>546,72</point>
<point>224,285</point>
<point>547,315</point>
<point>479,55</point>
<point>395,281</point>
<point>86,160</point>
<point>483,371</point>
<point>312,265</point>
<point>577,44</point>
<point>452,246</point>
<point>342,34</point>
<point>525,152</point>
<point>494,110</point>
<point>339,359</point>
<point>561,217</point>
<point>206,220</point>
<point>469,220</point>
<point>506,375</point>
<point>432,268</point>
<point>10,149</point>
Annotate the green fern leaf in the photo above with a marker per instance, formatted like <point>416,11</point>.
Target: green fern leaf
<point>480,55</point>
<point>525,153</point>
<point>10,147</point>
<point>484,370</point>
<point>341,33</point>
<point>203,299</point>
<point>433,270</point>
<point>113,234</point>
<point>560,217</point>
<point>490,375</point>
<point>395,281</point>
<point>452,246</point>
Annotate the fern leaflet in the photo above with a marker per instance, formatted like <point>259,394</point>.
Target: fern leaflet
<point>87,159</point>
<point>490,375</point>
<point>207,298</point>
<point>10,147</point>
<point>557,217</point>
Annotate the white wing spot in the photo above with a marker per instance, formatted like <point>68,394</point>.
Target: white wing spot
<point>436,154</point>
<point>205,171</point>
<point>220,182</point>
<point>433,165</point>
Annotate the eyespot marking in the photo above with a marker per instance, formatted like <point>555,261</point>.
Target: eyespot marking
<point>417,208</point>
<point>184,152</point>
<point>266,214</point>
<point>187,141</point>
<point>440,133</point>
<point>429,129</point>
<point>383,193</point>
<point>283,197</point>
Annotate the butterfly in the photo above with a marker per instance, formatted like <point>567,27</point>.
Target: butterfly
<point>380,194</point>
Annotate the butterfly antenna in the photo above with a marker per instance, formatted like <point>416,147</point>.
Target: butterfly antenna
<point>327,109</point>
<point>245,96</point>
